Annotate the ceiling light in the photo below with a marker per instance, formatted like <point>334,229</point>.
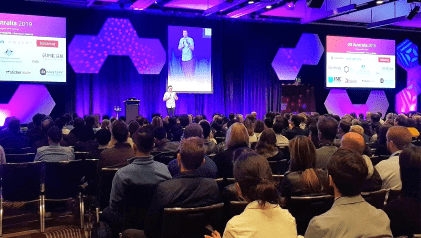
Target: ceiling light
<point>268,7</point>
<point>251,2</point>
<point>379,2</point>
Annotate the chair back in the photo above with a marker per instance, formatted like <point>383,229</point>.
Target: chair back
<point>81,155</point>
<point>279,166</point>
<point>137,203</point>
<point>305,208</point>
<point>392,194</point>
<point>278,178</point>
<point>62,179</point>
<point>20,158</point>
<point>376,198</point>
<point>17,150</point>
<point>22,181</point>
<point>105,184</point>
<point>90,172</point>
<point>165,157</point>
<point>223,182</point>
<point>191,222</point>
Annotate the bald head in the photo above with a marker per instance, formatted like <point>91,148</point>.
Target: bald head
<point>353,141</point>
<point>399,136</point>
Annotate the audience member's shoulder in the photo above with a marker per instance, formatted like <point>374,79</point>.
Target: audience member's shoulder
<point>42,148</point>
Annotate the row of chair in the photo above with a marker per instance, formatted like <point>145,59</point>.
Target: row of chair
<point>29,157</point>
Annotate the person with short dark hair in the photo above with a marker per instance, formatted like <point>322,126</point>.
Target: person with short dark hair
<point>266,146</point>
<point>405,211</point>
<point>143,173</point>
<point>208,169</point>
<point>350,215</point>
<point>14,139</point>
<point>187,189</point>
<point>210,143</point>
<point>162,144</point>
<point>400,120</point>
<point>281,140</point>
<point>118,155</point>
<point>269,122</point>
<point>54,152</point>
<point>103,137</point>
<point>296,120</point>
<point>327,127</point>
<point>398,138</point>
<point>258,128</point>
<point>47,123</point>
<point>263,217</point>
<point>36,133</point>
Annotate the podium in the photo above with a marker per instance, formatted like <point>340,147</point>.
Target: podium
<point>132,109</point>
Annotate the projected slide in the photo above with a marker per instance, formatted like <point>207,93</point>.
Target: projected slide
<point>360,63</point>
<point>189,59</point>
<point>32,48</point>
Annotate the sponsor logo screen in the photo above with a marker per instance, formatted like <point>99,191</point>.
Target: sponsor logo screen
<point>32,48</point>
<point>360,63</point>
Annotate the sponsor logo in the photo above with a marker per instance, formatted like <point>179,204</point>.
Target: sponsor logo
<point>334,79</point>
<point>353,59</point>
<point>47,43</point>
<point>17,72</point>
<point>388,68</point>
<point>335,67</point>
<point>346,69</point>
<point>384,59</point>
<point>35,61</point>
<point>363,66</point>
<point>50,73</point>
<point>381,80</point>
<point>9,52</point>
<point>47,56</point>
<point>350,80</point>
<point>337,58</point>
<point>19,42</point>
<point>367,81</point>
<point>1,41</point>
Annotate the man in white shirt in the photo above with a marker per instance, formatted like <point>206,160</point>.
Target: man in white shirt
<point>398,137</point>
<point>186,45</point>
<point>169,98</point>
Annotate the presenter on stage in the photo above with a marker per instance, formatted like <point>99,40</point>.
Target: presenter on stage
<point>186,45</point>
<point>169,98</point>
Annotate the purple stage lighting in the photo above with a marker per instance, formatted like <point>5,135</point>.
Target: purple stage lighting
<point>339,103</point>
<point>87,53</point>
<point>288,61</point>
<point>28,100</point>
<point>406,100</point>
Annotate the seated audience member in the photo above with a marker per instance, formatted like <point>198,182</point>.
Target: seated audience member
<point>210,144</point>
<point>54,152</point>
<point>36,133</point>
<point>133,128</point>
<point>187,189</point>
<point>344,127</point>
<point>328,128</point>
<point>76,132</point>
<point>157,122</point>
<point>14,139</point>
<point>302,177</point>
<point>400,120</point>
<point>263,217</point>
<point>375,125</point>
<point>258,128</point>
<point>411,125</point>
<point>295,130</point>
<point>184,121</point>
<point>208,169</point>
<point>106,124</point>
<point>90,126</point>
<point>266,146</point>
<point>143,173</point>
<point>350,215</point>
<point>314,135</point>
<point>268,122</point>
<point>405,211</point>
<point>250,130</point>
<point>398,137</point>
<point>381,144</point>
<point>103,137</point>
<point>47,123</point>
<point>118,155</point>
<point>162,144</point>
<point>354,141</point>
<point>86,143</point>
<point>237,137</point>
<point>281,140</point>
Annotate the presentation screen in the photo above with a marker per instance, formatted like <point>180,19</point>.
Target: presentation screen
<point>32,48</point>
<point>360,63</point>
<point>189,59</point>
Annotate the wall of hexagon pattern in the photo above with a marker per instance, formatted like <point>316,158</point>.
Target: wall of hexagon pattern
<point>87,53</point>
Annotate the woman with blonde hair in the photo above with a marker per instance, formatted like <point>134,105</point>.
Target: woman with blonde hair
<point>250,130</point>
<point>237,137</point>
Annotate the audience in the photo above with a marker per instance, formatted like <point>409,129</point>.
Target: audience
<point>14,139</point>
<point>118,155</point>
<point>295,130</point>
<point>302,176</point>
<point>162,144</point>
<point>54,152</point>
<point>263,217</point>
<point>327,127</point>
<point>266,147</point>
<point>237,137</point>
<point>210,143</point>
<point>381,143</point>
<point>398,137</point>
<point>187,189</point>
<point>350,215</point>
<point>142,174</point>
<point>281,140</point>
<point>405,211</point>
<point>47,123</point>
<point>258,128</point>
<point>250,130</point>
<point>36,133</point>
<point>208,169</point>
<point>103,137</point>
<point>355,142</point>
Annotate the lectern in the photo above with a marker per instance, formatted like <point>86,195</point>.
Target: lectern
<point>132,109</point>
